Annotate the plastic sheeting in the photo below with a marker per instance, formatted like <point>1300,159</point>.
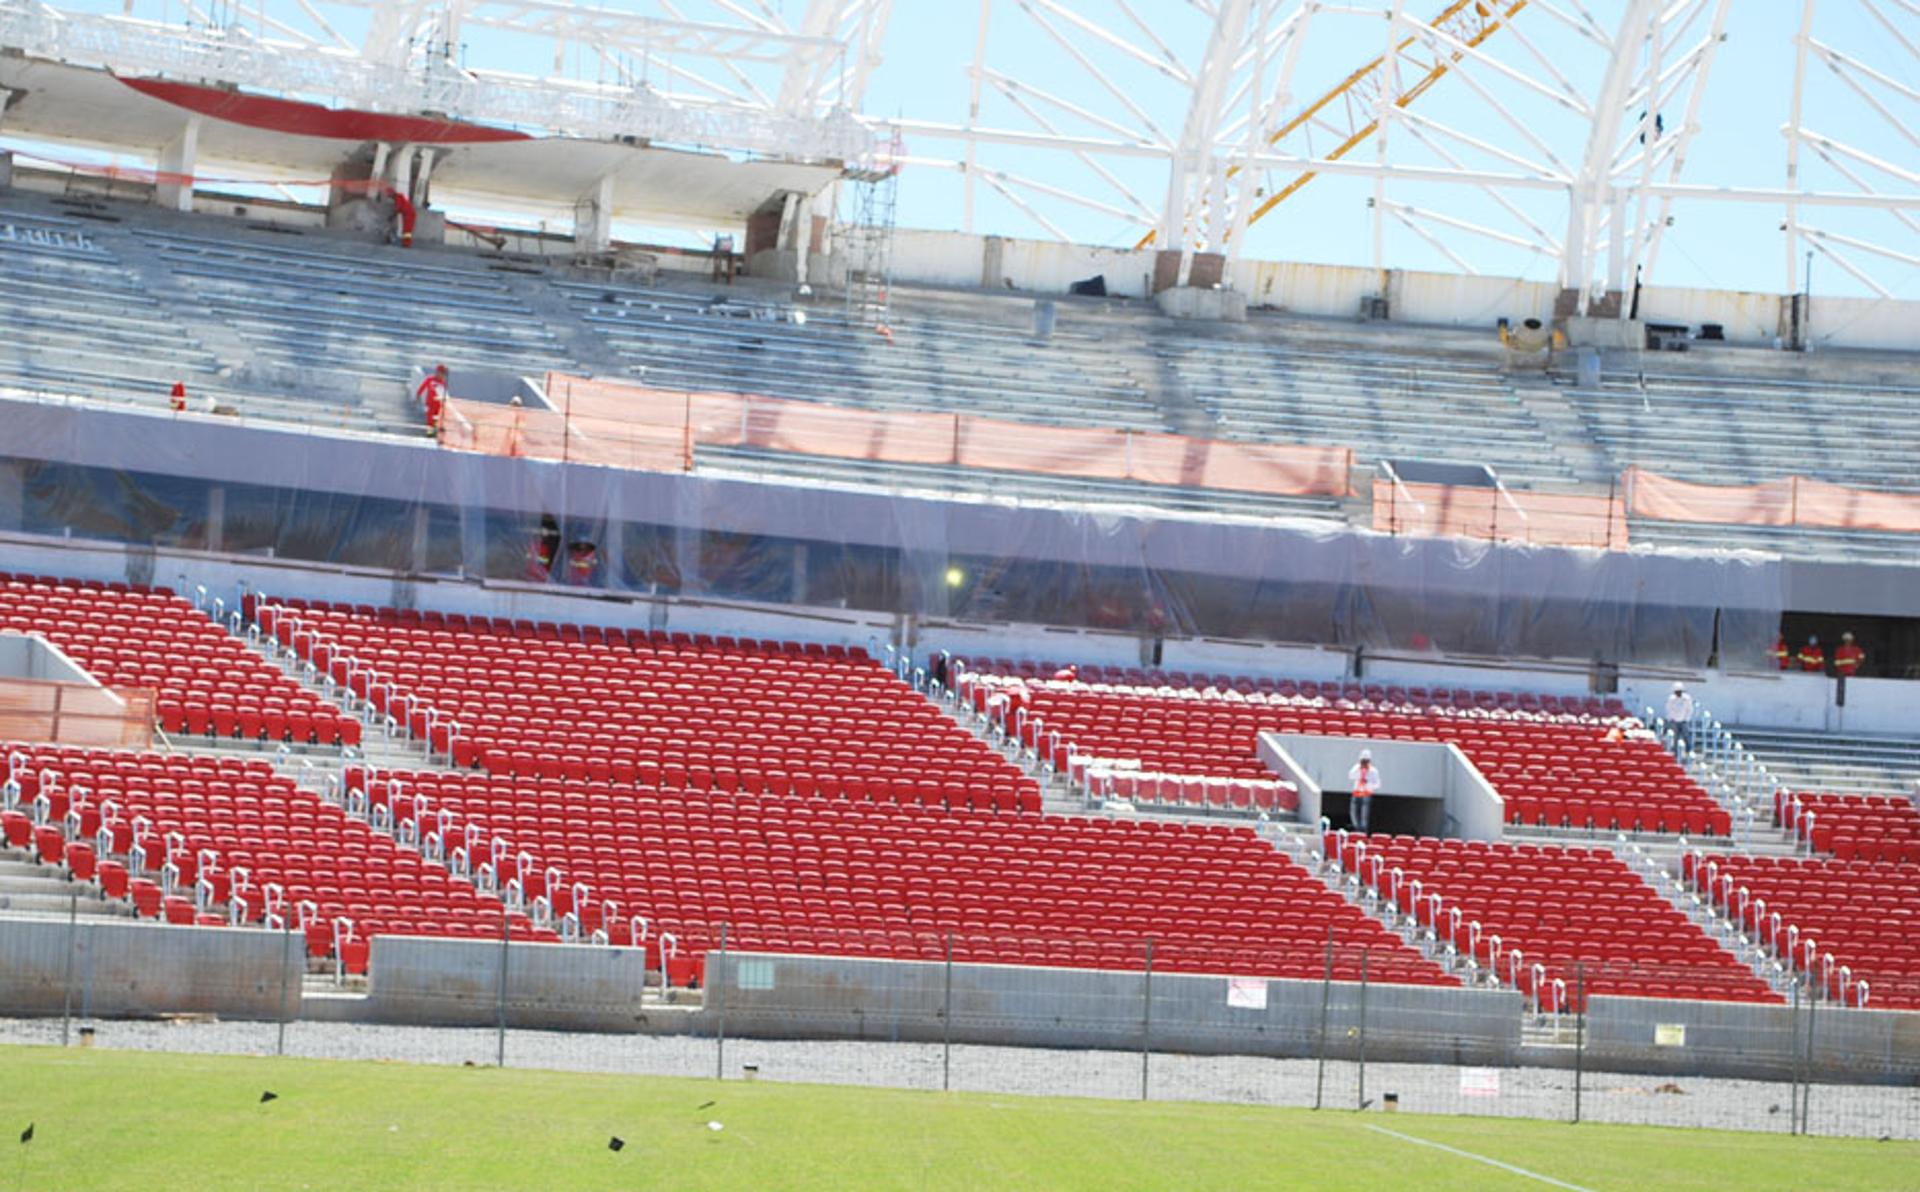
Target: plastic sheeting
<point>409,507</point>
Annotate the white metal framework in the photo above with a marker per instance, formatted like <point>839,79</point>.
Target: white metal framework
<point>1508,136</point>
<point>726,74</point>
<point>1554,128</point>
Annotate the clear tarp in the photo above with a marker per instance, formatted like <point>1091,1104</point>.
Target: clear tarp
<point>407,506</point>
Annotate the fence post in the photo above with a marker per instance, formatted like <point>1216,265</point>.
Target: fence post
<point>1326,997</point>
<point>1793,1060</point>
<point>1579,1036</point>
<point>946,1024</point>
<point>1806,1073</point>
<point>500,995</point>
<point>73,931</point>
<point>1361,1097</point>
<point>1146,1021</point>
<point>286,970</point>
<point>718,989</point>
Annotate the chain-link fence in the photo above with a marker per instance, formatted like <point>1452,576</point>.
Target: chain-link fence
<point>1328,1025</point>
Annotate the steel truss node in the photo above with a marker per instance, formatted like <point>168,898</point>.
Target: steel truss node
<point>1491,112</point>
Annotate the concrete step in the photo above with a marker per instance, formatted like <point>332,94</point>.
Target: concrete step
<point>48,881</point>
<point>61,905</point>
<point>1664,876</point>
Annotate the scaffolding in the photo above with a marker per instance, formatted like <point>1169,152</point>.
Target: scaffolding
<point>867,237</point>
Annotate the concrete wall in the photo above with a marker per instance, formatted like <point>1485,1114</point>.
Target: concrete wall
<point>126,969</point>
<point>1789,700</point>
<point>30,656</point>
<point>792,997</point>
<point>442,982</point>
<point>958,259</point>
<point>1473,810</point>
<point>1756,1042</point>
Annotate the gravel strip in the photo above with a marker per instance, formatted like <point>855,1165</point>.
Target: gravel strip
<point>1857,1110</point>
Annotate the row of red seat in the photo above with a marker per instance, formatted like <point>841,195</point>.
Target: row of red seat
<point>1863,827</point>
<point>1551,769</point>
<point>798,874</point>
<point>220,840</point>
<point>205,681</point>
<point>1853,926</point>
<point>637,708</point>
<point>1550,921</point>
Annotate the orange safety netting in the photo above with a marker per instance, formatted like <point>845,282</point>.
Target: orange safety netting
<point>75,714</point>
<point>1451,511</point>
<point>626,425</point>
<point>1794,501</point>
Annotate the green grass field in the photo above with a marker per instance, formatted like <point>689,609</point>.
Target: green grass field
<point>133,1120</point>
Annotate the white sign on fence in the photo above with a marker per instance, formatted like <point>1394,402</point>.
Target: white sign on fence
<point>1479,1082</point>
<point>1247,993</point>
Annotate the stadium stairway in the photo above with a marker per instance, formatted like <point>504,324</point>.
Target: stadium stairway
<point>1819,761</point>
<point>29,887</point>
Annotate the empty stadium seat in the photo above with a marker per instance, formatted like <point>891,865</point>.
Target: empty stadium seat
<point>1852,925</point>
<point>796,873</point>
<point>231,839</point>
<point>1551,920</point>
<point>202,677</point>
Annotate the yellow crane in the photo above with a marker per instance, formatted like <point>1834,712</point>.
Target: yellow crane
<point>1469,22</point>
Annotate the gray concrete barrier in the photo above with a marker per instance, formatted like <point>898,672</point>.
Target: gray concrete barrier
<point>798,997</point>
<point>128,969</point>
<point>1631,1034</point>
<point>446,982</point>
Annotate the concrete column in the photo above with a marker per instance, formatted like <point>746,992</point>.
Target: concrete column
<point>380,155</point>
<point>417,549</point>
<point>13,494</point>
<point>177,161</point>
<point>6,157</point>
<point>216,517</point>
<point>423,177</point>
<point>593,218</point>
<point>400,163</point>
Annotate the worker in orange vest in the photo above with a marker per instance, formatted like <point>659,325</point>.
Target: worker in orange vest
<point>1781,656</point>
<point>1848,658</point>
<point>1813,659</point>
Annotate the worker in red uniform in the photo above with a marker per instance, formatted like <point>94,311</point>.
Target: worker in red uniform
<point>1812,658</point>
<point>432,395</point>
<point>178,398</point>
<point>409,217</point>
<point>1781,656</point>
<point>1848,657</point>
<point>582,558</point>
<point>543,550</point>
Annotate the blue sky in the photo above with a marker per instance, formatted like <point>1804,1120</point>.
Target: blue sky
<point>930,44</point>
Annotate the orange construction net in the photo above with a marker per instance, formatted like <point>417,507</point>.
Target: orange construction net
<point>633,426</point>
<point>1462,511</point>
<point>1794,501</point>
<point>75,714</point>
